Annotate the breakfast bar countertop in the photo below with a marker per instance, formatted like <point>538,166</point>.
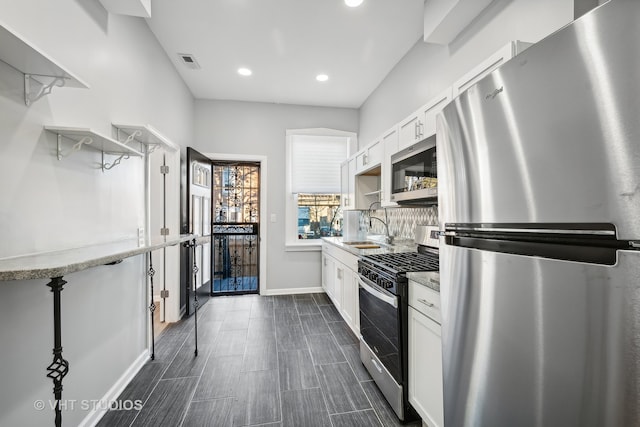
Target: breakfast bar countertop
<point>59,263</point>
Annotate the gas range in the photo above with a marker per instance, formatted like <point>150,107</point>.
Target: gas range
<point>384,322</point>
<point>388,270</point>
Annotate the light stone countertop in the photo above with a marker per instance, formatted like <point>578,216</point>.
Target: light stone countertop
<point>430,279</point>
<point>59,263</point>
<point>398,246</point>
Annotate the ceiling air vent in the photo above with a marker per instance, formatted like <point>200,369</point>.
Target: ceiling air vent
<point>189,61</point>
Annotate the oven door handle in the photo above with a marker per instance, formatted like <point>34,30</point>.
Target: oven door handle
<point>391,300</point>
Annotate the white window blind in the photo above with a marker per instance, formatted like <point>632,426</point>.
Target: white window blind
<point>315,163</point>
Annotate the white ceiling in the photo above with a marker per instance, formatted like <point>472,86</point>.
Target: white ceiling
<point>286,43</point>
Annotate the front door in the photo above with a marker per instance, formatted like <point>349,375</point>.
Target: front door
<point>196,219</point>
<point>236,239</point>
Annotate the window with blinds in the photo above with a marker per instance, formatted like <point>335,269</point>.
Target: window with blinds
<point>314,174</point>
<point>315,163</point>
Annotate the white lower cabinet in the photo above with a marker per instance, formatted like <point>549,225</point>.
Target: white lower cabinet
<point>340,282</point>
<point>425,365</point>
<point>350,309</point>
<point>338,285</point>
<point>328,275</point>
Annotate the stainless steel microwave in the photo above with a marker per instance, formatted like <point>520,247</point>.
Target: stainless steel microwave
<point>414,177</point>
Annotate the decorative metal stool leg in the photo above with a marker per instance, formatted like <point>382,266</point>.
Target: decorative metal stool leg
<point>195,295</point>
<point>59,367</point>
<point>152,307</point>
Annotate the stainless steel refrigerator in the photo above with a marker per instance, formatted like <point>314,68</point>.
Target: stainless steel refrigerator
<point>539,197</point>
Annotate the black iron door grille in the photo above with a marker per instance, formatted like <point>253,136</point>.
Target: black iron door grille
<point>236,240</point>
<point>235,258</point>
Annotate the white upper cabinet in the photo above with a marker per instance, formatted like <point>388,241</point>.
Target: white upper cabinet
<point>389,143</point>
<point>348,183</point>
<point>369,157</point>
<point>344,184</point>
<point>422,123</point>
<point>488,65</point>
<point>430,110</point>
<point>409,130</point>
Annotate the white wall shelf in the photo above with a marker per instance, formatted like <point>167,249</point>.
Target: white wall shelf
<point>41,73</point>
<point>145,134</point>
<point>85,137</point>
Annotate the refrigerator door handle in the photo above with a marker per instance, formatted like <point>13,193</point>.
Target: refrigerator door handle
<point>453,229</point>
<point>602,251</point>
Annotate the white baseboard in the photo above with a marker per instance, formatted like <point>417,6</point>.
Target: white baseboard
<point>291,291</point>
<point>96,415</point>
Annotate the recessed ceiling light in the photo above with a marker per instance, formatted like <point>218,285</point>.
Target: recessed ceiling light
<point>244,71</point>
<point>353,3</point>
<point>322,77</point>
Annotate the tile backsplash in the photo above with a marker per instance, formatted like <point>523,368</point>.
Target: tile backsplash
<point>402,221</point>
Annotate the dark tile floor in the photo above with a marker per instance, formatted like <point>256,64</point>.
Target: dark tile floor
<point>271,361</point>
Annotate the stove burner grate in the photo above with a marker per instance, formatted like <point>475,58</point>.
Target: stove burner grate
<point>404,262</point>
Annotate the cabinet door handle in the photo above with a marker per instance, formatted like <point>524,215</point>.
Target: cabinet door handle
<point>415,130</point>
<point>339,273</point>
<point>425,302</point>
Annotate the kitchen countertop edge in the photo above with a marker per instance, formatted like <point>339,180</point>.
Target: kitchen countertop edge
<point>60,263</point>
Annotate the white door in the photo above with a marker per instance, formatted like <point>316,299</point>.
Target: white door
<point>163,219</point>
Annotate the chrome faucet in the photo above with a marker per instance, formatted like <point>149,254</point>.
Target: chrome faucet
<point>388,237</point>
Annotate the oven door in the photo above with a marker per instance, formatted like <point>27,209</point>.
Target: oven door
<point>380,346</point>
<point>380,325</point>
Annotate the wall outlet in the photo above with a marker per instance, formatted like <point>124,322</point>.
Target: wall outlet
<point>140,236</point>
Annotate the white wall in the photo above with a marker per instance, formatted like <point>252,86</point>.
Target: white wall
<point>427,69</point>
<point>46,204</point>
<point>231,127</point>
